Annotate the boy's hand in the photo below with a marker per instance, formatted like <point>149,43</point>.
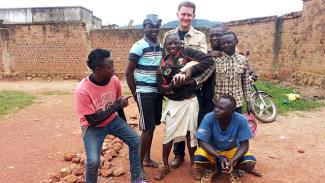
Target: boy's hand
<point>226,166</point>
<point>123,101</point>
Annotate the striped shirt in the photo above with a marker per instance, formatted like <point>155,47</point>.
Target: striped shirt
<point>148,57</point>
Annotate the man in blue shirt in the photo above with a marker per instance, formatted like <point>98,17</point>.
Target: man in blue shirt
<point>141,75</point>
<point>224,140</point>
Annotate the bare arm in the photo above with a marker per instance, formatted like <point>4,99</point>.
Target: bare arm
<point>130,78</point>
<point>208,148</point>
<point>100,116</point>
<point>241,151</point>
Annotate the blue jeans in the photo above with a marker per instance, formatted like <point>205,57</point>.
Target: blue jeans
<point>93,141</point>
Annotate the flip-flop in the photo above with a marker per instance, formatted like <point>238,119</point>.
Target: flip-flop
<point>152,164</point>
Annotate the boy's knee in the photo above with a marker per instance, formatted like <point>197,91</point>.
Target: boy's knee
<point>135,142</point>
<point>248,166</point>
<point>93,163</point>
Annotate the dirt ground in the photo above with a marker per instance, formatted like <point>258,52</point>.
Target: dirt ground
<point>33,140</point>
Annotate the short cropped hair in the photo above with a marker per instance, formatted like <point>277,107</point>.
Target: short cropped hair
<point>231,98</point>
<point>188,4</point>
<point>96,58</point>
<point>230,33</point>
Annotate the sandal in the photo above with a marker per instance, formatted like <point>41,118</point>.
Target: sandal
<point>196,171</point>
<point>208,176</point>
<point>162,171</point>
<point>233,177</point>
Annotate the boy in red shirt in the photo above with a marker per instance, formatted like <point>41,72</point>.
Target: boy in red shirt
<point>100,108</point>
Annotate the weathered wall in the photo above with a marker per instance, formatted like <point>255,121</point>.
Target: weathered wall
<point>288,60</point>
<point>17,15</point>
<point>50,14</point>
<point>311,44</point>
<point>119,42</point>
<point>44,50</point>
<point>288,47</point>
<point>1,59</point>
<point>257,35</point>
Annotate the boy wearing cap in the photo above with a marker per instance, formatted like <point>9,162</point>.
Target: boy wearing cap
<point>141,75</point>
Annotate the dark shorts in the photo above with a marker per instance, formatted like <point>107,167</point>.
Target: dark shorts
<point>150,108</point>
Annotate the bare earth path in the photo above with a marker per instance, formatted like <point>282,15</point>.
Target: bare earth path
<point>34,138</point>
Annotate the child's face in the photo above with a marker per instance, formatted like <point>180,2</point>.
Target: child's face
<point>228,44</point>
<point>172,45</point>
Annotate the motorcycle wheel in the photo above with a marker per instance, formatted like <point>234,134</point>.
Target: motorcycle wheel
<point>264,107</point>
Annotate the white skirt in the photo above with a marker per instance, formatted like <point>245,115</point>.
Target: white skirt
<point>179,118</point>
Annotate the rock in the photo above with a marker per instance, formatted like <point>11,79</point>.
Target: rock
<point>118,171</point>
<point>301,151</point>
<point>68,156</point>
<point>70,178</point>
<point>106,172</point>
<point>105,146</point>
<point>117,147</point>
<point>113,152</point>
<point>108,157</point>
<point>83,158</point>
<point>110,137</point>
<point>54,177</point>
<point>133,116</point>
<point>81,180</point>
<point>65,171</point>
<point>74,166</point>
<point>79,171</point>
<point>107,165</point>
<point>75,160</point>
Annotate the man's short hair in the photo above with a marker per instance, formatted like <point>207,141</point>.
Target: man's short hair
<point>231,98</point>
<point>188,4</point>
<point>96,58</point>
<point>230,33</point>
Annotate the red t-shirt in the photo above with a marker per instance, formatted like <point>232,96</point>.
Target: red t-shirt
<point>91,98</point>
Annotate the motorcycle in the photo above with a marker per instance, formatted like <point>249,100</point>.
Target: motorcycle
<point>264,108</point>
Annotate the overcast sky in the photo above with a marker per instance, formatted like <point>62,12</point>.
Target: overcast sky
<point>121,11</point>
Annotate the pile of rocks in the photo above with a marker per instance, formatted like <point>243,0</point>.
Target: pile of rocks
<point>308,79</point>
<point>76,172</point>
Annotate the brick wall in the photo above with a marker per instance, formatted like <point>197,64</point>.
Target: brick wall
<point>286,47</point>
<point>44,50</point>
<point>288,60</point>
<point>119,42</point>
<point>1,60</point>
<point>311,32</point>
<point>257,35</point>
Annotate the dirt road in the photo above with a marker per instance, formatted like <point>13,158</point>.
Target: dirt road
<point>34,138</point>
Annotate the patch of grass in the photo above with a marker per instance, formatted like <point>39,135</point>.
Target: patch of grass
<point>56,93</point>
<point>13,100</point>
<point>279,96</point>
